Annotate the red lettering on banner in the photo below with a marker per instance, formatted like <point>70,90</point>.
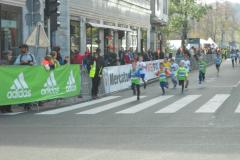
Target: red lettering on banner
<point>150,67</point>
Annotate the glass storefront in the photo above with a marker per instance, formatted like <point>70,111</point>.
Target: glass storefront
<point>144,40</point>
<point>122,42</point>
<point>92,37</point>
<point>11,29</point>
<point>74,38</point>
<point>134,37</point>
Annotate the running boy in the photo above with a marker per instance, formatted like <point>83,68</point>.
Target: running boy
<point>182,75</point>
<point>236,57</point>
<point>166,64</point>
<point>134,76</point>
<point>162,74</point>
<point>142,67</point>
<point>202,70</point>
<point>232,58</point>
<point>218,62</point>
<point>186,66</point>
<point>174,68</point>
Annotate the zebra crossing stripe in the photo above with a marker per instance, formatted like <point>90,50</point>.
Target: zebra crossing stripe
<point>81,105</point>
<point>110,106</point>
<point>238,109</point>
<point>144,105</point>
<point>213,104</point>
<point>174,107</point>
<point>11,114</point>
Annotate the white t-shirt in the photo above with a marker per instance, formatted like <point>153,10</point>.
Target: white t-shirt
<point>141,69</point>
<point>186,64</point>
<point>174,67</point>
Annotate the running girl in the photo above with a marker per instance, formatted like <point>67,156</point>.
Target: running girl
<point>182,75</point>
<point>162,74</point>
<point>142,67</point>
<point>186,66</point>
<point>202,70</point>
<point>218,62</point>
<point>134,76</point>
<point>174,68</point>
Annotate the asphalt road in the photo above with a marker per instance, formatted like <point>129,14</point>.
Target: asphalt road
<point>201,124</point>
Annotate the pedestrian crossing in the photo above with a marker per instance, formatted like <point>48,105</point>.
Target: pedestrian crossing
<point>167,104</point>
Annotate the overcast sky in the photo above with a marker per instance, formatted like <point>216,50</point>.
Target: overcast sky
<point>211,1</point>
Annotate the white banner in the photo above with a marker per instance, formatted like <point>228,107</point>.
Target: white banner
<point>116,78</point>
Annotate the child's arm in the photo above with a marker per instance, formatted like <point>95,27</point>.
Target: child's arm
<point>186,73</point>
<point>176,73</point>
<point>205,65</point>
<point>157,74</point>
<point>138,74</point>
<point>166,72</point>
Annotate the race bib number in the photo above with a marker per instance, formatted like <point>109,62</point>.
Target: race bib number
<point>162,76</point>
<point>182,73</point>
<point>186,67</point>
<point>133,76</point>
<point>201,67</point>
<point>173,68</point>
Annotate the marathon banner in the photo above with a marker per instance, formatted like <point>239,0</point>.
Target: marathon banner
<point>33,83</point>
<point>116,78</point>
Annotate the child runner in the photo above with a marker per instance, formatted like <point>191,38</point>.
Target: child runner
<point>202,70</point>
<point>142,67</point>
<point>218,62</point>
<point>174,68</point>
<point>134,76</point>
<point>236,57</point>
<point>162,74</point>
<point>232,57</point>
<point>186,66</point>
<point>166,64</point>
<point>182,75</point>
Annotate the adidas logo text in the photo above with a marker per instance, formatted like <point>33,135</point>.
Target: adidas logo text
<point>71,83</point>
<point>51,85</point>
<point>20,87</point>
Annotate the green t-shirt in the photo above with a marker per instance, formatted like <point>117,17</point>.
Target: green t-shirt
<point>182,73</point>
<point>162,76</point>
<point>134,78</point>
<point>202,67</point>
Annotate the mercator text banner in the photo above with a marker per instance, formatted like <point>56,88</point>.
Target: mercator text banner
<point>30,84</point>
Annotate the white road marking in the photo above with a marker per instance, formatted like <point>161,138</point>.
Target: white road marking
<point>238,109</point>
<point>110,106</point>
<point>10,114</point>
<point>174,107</point>
<point>81,105</point>
<point>237,84</point>
<point>144,105</point>
<point>213,104</point>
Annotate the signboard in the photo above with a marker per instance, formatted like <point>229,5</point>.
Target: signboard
<point>93,21</point>
<point>109,23</point>
<point>23,85</point>
<point>193,41</point>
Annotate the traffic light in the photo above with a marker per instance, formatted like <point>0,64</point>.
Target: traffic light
<point>51,11</point>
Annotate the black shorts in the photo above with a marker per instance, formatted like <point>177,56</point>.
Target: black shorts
<point>217,65</point>
<point>180,82</point>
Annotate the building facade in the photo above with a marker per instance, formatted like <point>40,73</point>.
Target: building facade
<point>89,24</point>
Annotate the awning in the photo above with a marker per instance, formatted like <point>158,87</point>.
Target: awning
<point>110,27</point>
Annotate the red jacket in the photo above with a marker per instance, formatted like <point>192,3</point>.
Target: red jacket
<point>127,59</point>
<point>78,58</point>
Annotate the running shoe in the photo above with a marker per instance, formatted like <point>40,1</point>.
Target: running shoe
<point>94,97</point>
<point>200,82</point>
<point>138,98</point>
<point>175,85</point>
<point>97,97</point>
<point>182,92</point>
<point>167,85</point>
<point>145,85</point>
<point>163,93</point>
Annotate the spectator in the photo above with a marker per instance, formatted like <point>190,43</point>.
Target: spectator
<point>78,57</point>
<point>53,60</point>
<point>67,60</point>
<point>150,53</point>
<point>59,57</point>
<point>25,58</point>
<point>145,56</point>
<point>121,56</point>
<point>6,61</point>
<point>135,58</point>
<point>131,54</point>
<point>127,57</point>
<point>47,62</point>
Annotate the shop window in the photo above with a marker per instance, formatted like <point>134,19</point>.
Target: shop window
<point>144,40</point>
<point>74,38</point>
<point>11,32</point>
<point>122,35</point>
<point>92,37</point>
<point>134,38</point>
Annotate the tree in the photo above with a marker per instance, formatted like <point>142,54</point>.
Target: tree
<point>180,12</point>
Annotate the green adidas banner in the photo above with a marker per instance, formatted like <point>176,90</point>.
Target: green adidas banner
<point>30,84</point>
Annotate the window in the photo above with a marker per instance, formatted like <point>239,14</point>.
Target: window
<point>158,5</point>
<point>74,38</point>
<point>165,7</point>
<point>11,32</point>
<point>122,42</point>
<point>144,39</point>
<point>134,36</point>
<point>92,36</point>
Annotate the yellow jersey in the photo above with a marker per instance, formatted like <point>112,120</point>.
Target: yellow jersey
<point>167,66</point>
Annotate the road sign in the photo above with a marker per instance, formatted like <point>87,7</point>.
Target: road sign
<point>193,41</point>
<point>33,5</point>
